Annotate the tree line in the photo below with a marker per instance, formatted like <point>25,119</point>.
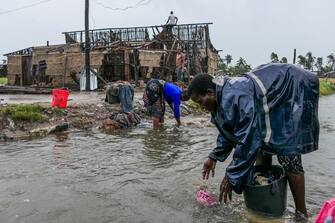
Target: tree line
<point>308,62</point>
<point>241,66</point>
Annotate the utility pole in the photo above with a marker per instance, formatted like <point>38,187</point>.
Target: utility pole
<point>294,55</point>
<point>87,46</point>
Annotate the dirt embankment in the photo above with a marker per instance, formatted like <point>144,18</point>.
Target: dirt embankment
<point>29,121</point>
<point>30,116</point>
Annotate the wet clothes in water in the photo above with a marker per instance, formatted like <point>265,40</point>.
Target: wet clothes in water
<point>272,109</point>
<point>122,93</point>
<point>127,119</point>
<point>126,97</point>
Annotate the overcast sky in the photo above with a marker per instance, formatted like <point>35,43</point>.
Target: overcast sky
<point>251,29</point>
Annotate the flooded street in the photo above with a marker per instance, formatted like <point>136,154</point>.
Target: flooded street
<point>136,175</point>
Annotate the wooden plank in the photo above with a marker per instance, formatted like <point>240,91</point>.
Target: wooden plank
<point>157,29</point>
<point>171,50</point>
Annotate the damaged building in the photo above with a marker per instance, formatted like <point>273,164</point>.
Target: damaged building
<point>116,54</point>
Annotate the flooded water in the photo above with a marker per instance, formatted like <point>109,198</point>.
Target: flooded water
<point>137,175</point>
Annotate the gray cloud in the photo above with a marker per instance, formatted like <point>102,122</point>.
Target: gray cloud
<point>251,29</point>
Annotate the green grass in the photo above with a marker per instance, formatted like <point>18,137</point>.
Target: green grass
<point>3,80</point>
<point>326,87</point>
<point>25,113</point>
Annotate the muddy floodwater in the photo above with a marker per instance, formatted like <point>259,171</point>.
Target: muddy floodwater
<point>137,175</point>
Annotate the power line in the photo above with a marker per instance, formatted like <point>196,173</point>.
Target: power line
<point>24,7</point>
<point>92,17</point>
<point>138,4</point>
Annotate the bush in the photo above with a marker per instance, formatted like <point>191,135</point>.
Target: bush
<point>326,87</point>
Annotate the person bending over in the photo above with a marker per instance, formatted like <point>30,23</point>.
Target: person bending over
<point>272,110</point>
<point>154,97</point>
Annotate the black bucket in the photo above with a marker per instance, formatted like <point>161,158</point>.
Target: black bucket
<point>269,200</point>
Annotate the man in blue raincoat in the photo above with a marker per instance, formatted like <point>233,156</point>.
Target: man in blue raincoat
<point>271,110</point>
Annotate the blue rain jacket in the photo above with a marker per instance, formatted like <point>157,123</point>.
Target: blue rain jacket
<point>274,108</point>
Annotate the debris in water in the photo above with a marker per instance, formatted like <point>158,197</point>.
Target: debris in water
<point>205,197</point>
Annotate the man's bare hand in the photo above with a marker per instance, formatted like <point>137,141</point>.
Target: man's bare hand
<point>225,190</point>
<point>209,166</point>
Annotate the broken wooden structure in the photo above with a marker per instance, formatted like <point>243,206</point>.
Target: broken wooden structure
<point>117,54</point>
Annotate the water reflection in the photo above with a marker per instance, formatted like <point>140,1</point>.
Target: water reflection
<point>62,136</point>
<point>163,146</point>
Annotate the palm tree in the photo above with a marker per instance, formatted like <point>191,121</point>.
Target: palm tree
<point>222,64</point>
<point>309,61</point>
<point>331,61</point>
<point>241,67</point>
<point>274,57</point>
<point>228,58</point>
<point>241,62</point>
<point>319,64</point>
<point>302,61</point>
<point>283,60</point>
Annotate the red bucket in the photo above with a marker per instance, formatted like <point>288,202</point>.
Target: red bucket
<point>59,98</point>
